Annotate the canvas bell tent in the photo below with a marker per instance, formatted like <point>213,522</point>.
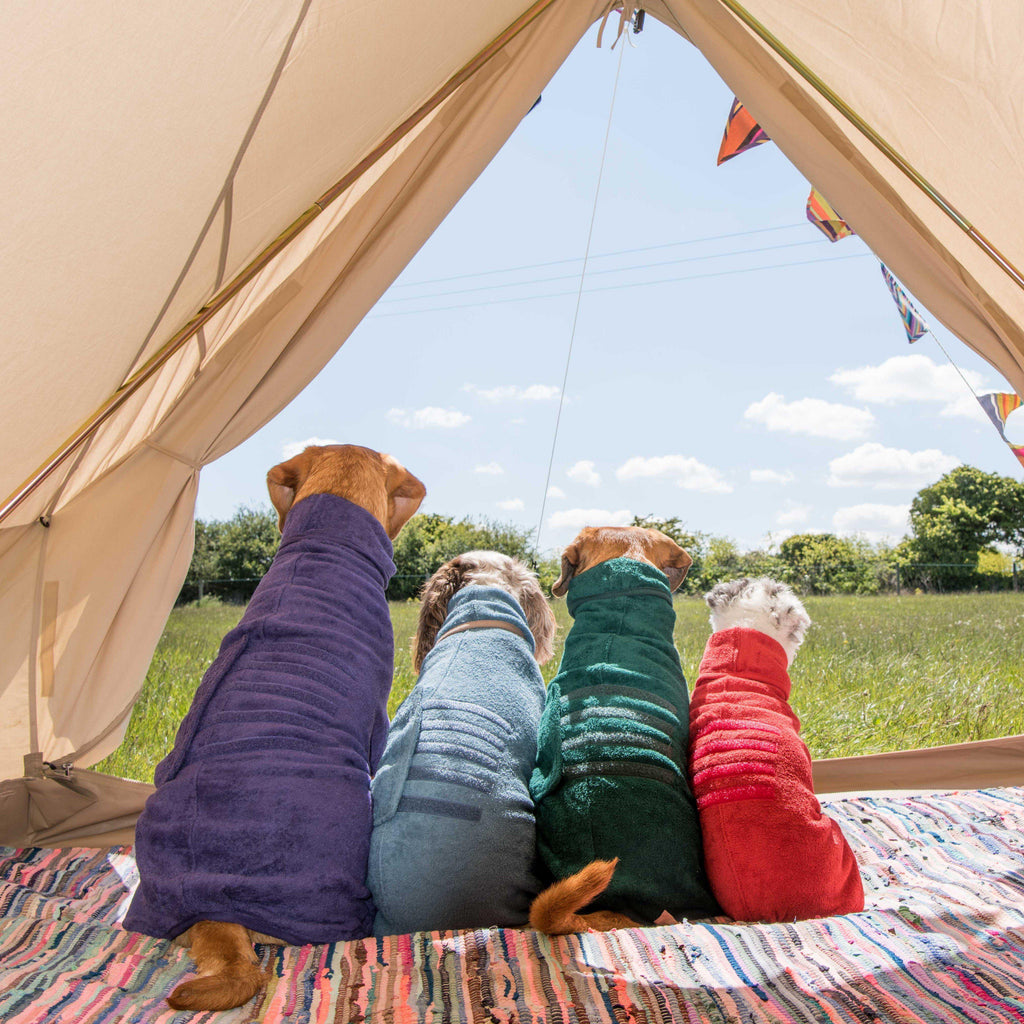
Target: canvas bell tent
<point>202,201</point>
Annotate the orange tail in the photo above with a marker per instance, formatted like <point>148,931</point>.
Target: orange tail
<point>554,910</point>
<point>229,973</point>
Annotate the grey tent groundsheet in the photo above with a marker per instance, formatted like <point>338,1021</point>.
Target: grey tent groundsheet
<point>941,939</point>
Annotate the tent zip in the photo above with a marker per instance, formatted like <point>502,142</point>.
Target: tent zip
<point>191,328</point>
<point>812,79</point>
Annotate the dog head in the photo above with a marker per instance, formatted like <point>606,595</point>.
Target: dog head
<point>596,544</point>
<point>763,604</point>
<point>488,569</point>
<point>372,480</point>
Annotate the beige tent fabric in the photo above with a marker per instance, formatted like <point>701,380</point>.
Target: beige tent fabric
<point>955,766</point>
<point>119,538</point>
<point>941,84</point>
<point>186,139</point>
<point>85,809</point>
<point>88,809</point>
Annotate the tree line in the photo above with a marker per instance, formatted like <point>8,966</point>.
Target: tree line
<point>967,530</point>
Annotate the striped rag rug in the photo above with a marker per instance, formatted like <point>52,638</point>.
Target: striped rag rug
<point>941,940</point>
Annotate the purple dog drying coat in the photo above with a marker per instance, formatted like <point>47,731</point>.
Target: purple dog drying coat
<point>261,815</point>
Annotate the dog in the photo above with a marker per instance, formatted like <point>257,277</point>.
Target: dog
<point>259,828</point>
<point>616,819</point>
<point>771,854</point>
<point>453,843</point>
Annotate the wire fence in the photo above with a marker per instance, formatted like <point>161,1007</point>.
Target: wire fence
<point>833,578</point>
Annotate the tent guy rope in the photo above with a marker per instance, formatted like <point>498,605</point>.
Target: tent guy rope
<point>579,292</point>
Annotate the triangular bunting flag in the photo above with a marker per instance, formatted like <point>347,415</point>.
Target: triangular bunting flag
<point>742,132</point>
<point>1018,450</point>
<point>998,405</point>
<point>915,326</point>
<point>821,213</point>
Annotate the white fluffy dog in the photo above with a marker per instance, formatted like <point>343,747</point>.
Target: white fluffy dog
<point>771,854</point>
<point>763,604</point>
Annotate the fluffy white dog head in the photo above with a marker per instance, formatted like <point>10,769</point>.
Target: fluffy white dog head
<point>763,604</point>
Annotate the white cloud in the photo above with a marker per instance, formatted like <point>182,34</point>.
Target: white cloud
<point>584,473</point>
<point>686,472</point>
<point>514,393</point>
<point>876,522</point>
<point>292,448</point>
<point>429,416</point>
<point>555,492</point>
<point>771,476</point>
<point>874,465</point>
<point>793,516</point>
<point>913,378</point>
<point>811,416</point>
<point>577,518</point>
<point>489,469</point>
<point>512,505</point>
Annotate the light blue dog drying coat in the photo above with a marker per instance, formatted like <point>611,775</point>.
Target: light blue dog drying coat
<point>453,840</point>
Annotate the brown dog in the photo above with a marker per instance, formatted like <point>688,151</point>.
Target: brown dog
<point>555,911</point>
<point>228,969</point>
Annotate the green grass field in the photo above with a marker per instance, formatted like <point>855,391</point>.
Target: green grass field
<point>875,673</point>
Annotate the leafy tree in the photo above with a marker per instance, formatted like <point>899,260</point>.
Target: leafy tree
<point>247,543</point>
<point>954,520</point>
<point>822,563</point>
<point>429,540</point>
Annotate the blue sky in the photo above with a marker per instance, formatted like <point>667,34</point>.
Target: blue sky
<point>731,366</point>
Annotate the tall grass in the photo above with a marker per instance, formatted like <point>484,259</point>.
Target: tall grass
<point>875,673</point>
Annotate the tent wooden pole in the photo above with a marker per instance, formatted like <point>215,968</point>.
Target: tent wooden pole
<point>237,283</point>
<point>865,129</point>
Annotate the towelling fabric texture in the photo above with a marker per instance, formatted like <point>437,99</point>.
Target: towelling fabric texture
<point>453,842</point>
<point>262,811</point>
<point>612,747</point>
<point>771,854</point>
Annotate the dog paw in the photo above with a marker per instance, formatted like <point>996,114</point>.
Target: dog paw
<point>763,604</point>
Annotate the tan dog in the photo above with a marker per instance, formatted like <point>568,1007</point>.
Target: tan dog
<point>228,969</point>
<point>596,544</point>
<point>555,911</point>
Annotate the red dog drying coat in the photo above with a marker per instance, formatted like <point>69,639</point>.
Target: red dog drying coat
<point>771,854</point>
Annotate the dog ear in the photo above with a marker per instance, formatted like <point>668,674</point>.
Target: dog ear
<point>541,620</point>
<point>570,559</point>
<point>405,493</point>
<point>674,564</point>
<point>434,598</point>
<point>284,480</point>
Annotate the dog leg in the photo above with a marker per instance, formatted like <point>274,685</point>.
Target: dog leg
<point>229,973</point>
<point>553,912</point>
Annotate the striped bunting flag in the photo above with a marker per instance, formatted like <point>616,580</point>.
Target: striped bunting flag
<point>1018,450</point>
<point>913,323</point>
<point>742,132</point>
<point>998,405</point>
<point>822,214</point>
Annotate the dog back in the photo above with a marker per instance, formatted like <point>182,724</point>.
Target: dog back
<point>610,779</point>
<point>453,842</point>
<point>261,815</point>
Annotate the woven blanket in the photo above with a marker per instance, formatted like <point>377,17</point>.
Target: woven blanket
<point>941,940</point>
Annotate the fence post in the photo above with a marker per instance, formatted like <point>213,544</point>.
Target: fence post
<point>200,591</point>
<point>897,581</point>
<point>1016,581</point>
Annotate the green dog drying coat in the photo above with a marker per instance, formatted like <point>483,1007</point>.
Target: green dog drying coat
<point>610,779</point>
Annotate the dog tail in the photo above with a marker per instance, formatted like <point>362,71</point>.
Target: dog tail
<point>229,973</point>
<point>554,910</point>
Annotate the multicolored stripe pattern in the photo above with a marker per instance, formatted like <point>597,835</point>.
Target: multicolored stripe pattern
<point>941,940</point>
<point>741,133</point>
<point>913,323</point>
<point>822,214</point>
<point>998,405</point>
